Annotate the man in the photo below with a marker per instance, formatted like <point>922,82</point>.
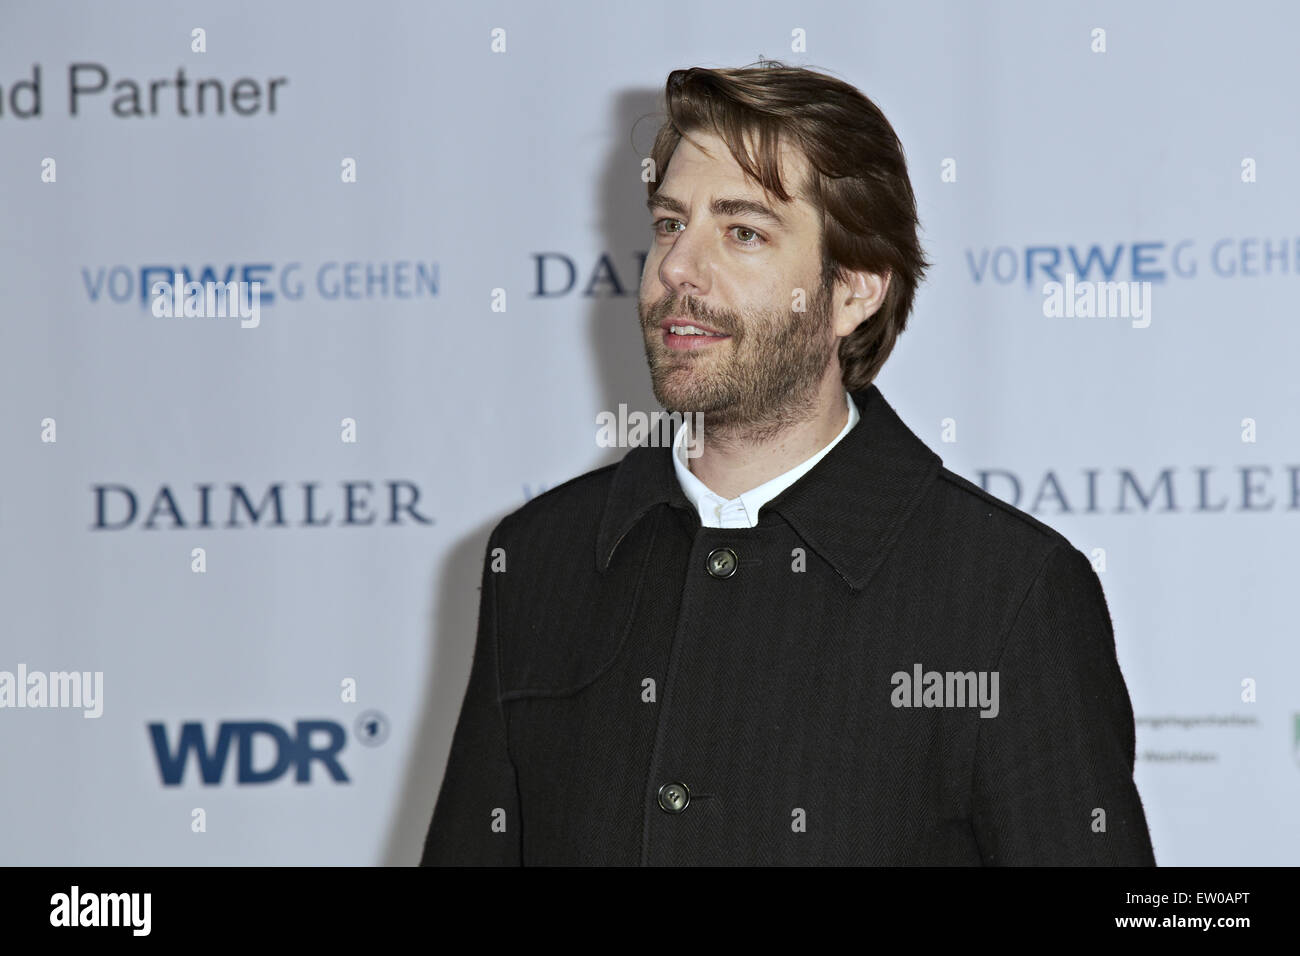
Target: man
<point>810,643</point>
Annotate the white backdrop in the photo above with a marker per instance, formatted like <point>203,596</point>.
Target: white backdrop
<point>479,170</point>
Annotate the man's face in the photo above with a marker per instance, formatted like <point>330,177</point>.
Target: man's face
<point>720,263</point>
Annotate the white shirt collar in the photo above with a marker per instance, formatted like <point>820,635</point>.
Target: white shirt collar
<point>742,512</point>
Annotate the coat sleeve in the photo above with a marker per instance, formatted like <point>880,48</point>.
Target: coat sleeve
<point>476,817</point>
<point>1053,776</point>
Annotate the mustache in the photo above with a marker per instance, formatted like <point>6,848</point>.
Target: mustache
<point>673,304</point>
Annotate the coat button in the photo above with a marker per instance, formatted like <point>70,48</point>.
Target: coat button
<point>673,797</point>
<point>721,562</point>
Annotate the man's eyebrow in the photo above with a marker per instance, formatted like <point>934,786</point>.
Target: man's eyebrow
<point>746,207</point>
<point>719,207</point>
<point>666,203</point>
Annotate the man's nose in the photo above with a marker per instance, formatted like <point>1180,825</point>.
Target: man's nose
<point>686,269</point>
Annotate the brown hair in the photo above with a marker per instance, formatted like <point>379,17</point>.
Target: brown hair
<point>857,182</point>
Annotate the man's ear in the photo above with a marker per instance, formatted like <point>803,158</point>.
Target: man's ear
<point>857,300</point>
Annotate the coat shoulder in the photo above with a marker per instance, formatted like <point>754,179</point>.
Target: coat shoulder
<point>557,628</point>
<point>989,555</point>
<point>974,516</point>
<point>569,510</point>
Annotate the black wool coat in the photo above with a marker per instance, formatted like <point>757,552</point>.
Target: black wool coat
<point>648,691</point>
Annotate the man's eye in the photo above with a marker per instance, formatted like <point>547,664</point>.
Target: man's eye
<point>661,223</point>
<point>746,236</point>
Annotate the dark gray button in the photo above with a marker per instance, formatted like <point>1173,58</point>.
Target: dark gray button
<point>721,562</point>
<point>673,797</point>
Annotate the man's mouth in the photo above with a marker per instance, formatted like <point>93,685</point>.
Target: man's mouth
<point>684,335</point>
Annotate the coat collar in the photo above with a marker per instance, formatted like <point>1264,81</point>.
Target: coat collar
<point>849,508</point>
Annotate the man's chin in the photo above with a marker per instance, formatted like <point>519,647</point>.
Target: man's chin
<point>673,396</point>
<point>687,400</point>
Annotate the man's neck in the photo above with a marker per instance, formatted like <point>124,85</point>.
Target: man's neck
<point>731,465</point>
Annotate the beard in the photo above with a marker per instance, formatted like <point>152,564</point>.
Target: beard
<point>756,384</point>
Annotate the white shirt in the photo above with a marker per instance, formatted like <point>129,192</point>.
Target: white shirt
<point>742,512</point>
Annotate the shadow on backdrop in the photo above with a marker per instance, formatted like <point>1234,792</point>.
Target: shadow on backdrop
<point>619,369</point>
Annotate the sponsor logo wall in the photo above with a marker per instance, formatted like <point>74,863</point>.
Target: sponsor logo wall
<point>297,305</point>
